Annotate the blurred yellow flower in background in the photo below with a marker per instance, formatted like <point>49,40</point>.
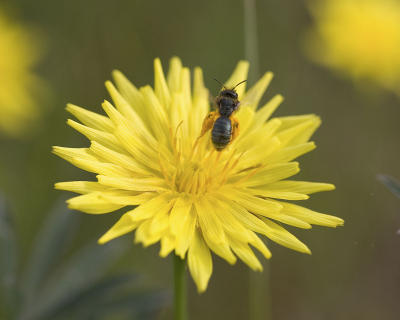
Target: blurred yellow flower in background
<point>19,85</point>
<point>147,153</point>
<point>360,38</point>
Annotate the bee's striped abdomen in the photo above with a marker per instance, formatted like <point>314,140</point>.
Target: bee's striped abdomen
<point>221,133</point>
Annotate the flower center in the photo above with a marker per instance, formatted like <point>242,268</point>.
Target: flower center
<point>196,167</point>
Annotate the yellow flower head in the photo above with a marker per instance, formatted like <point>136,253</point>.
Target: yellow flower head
<point>18,54</point>
<point>193,199</point>
<point>360,38</point>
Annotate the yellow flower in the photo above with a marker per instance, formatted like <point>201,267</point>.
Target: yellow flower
<point>360,38</point>
<point>191,198</point>
<point>18,84</point>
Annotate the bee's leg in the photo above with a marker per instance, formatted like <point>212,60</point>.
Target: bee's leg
<point>208,122</point>
<point>235,128</point>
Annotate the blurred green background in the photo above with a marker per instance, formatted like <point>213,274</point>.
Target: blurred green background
<point>354,272</point>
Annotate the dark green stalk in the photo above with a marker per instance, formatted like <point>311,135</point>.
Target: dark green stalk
<point>259,290</point>
<point>250,38</point>
<point>180,289</point>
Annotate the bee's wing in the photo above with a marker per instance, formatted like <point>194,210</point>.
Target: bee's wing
<point>213,102</point>
<point>208,122</point>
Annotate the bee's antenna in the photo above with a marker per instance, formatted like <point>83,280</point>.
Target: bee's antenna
<point>238,84</point>
<point>220,83</point>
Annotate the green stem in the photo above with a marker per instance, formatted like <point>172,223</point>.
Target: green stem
<point>259,290</point>
<point>180,290</point>
<point>259,293</point>
<point>250,38</point>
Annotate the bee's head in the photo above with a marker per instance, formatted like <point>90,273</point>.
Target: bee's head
<point>229,93</point>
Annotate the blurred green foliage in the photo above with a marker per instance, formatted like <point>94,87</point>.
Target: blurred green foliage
<point>353,272</point>
<point>79,286</point>
<point>391,183</point>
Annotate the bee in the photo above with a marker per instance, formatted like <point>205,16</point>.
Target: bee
<point>225,127</point>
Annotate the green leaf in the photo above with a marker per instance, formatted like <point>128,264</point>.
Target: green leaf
<point>391,183</point>
<point>88,298</point>
<point>8,263</point>
<point>82,271</point>
<point>79,288</point>
<point>51,243</point>
<point>135,305</point>
<point>110,297</point>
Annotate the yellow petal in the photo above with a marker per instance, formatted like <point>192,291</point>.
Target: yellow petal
<point>300,186</point>
<point>266,208</point>
<point>269,192</point>
<point>133,184</point>
<point>123,106</point>
<point>174,74</point>
<point>82,159</point>
<point>186,88</point>
<point>292,221</point>
<point>160,84</point>
<point>243,251</point>
<point>104,138</point>
<point>200,92</point>
<point>245,116</point>
<point>272,173</point>
<point>130,144</point>
<point>154,228</point>
<point>92,203</point>
<point>213,232</point>
<point>182,222</point>
<point>311,216</point>
<point>157,115</point>
<point>253,204</point>
<point>70,154</point>
<point>249,220</point>
<point>123,197</point>
<point>258,155</point>
<point>200,102</point>
<point>299,133</point>
<point>261,134</point>
<point>267,110</point>
<point>123,226</point>
<point>160,222</point>
<point>292,121</point>
<point>231,225</point>
<point>131,94</point>
<point>290,153</point>
<point>199,262</point>
<point>167,245</point>
<point>81,187</point>
<point>91,119</point>
<point>257,243</point>
<point>255,93</point>
<point>100,167</point>
<point>283,237</point>
<point>145,236</point>
<point>120,159</point>
<point>238,75</point>
<point>137,130</point>
<point>298,129</point>
<point>150,208</point>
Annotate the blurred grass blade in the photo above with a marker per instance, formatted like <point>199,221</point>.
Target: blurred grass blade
<point>137,305</point>
<point>89,298</point>
<point>8,262</point>
<point>391,183</point>
<point>50,244</point>
<point>83,269</point>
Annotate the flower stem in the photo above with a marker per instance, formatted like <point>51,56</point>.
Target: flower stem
<point>180,290</point>
<point>259,294</point>
<point>250,38</point>
<point>259,291</point>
